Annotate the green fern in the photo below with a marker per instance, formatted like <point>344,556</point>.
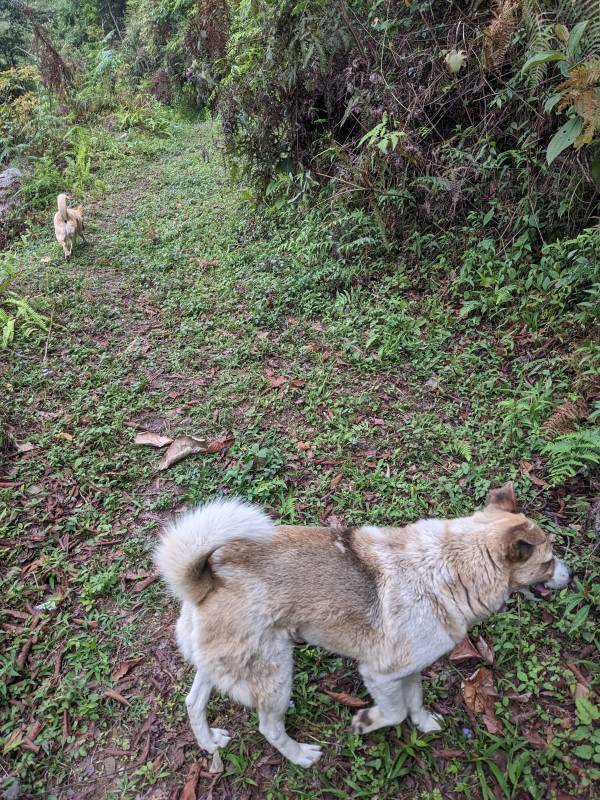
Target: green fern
<point>461,448</point>
<point>570,12</point>
<point>539,20</point>
<point>17,309</point>
<point>539,28</point>
<point>571,453</point>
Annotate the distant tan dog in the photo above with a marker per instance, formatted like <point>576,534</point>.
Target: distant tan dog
<point>68,224</point>
<point>395,599</point>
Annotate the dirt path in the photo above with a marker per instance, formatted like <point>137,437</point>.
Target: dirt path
<point>190,312</point>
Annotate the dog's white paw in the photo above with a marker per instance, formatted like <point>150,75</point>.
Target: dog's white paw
<point>218,738</point>
<point>428,721</point>
<point>307,754</point>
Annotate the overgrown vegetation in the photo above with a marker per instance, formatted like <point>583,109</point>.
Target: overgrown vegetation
<point>372,278</point>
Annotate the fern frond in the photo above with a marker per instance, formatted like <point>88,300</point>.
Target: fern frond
<point>570,12</point>
<point>571,453</point>
<point>565,416</point>
<point>461,448</point>
<point>498,34</point>
<point>580,91</point>
<point>539,30</point>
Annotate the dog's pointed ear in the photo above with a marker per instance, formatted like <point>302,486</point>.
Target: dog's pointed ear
<point>503,498</point>
<point>521,540</point>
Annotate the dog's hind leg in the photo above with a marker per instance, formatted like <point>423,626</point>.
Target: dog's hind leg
<point>426,721</point>
<point>274,699</point>
<point>209,739</point>
<point>390,704</point>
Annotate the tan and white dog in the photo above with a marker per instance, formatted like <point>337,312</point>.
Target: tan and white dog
<point>68,224</point>
<point>394,599</point>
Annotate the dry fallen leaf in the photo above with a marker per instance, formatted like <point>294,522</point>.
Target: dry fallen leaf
<point>335,481</point>
<point>581,690</point>
<point>125,667</point>
<point>525,697</point>
<point>219,444</point>
<point>448,753</point>
<point>216,765</point>
<point>570,665</point>
<point>485,650</point>
<point>346,699</point>
<point>274,381</point>
<point>492,723</point>
<point>182,447</point>
<point>24,447</point>
<point>135,576</point>
<point>464,650</point>
<point>534,738</point>
<point>478,693</point>
<point>189,789</point>
<point>116,696</point>
<point>152,439</point>
<point>143,584</point>
<point>478,689</point>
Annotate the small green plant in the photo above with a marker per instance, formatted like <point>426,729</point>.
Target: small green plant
<point>78,173</point>
<point>151,118</point>
<point>587,733</point>
<point>385,136</point>
<point>18,317</point>
<point>524,411</point>
<point>256,474</point>
<point>98,584</point>
<point>578,610</point>
<point>572,453</point>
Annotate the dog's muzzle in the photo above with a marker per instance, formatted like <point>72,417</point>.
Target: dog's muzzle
<point>560,577</point>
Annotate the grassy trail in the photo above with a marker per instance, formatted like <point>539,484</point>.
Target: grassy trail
<point>189,313</point>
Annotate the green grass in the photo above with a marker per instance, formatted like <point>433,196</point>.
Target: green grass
<point>180,316</point>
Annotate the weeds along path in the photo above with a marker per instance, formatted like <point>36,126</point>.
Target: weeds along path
<point>191,313</point>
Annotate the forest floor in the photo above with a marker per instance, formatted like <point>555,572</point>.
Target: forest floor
<point>190,313</point>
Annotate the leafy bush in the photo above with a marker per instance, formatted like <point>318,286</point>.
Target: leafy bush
<point>162,45</point>
<point>321,88</point>
<point>19,96</point>
<point>562,284</point>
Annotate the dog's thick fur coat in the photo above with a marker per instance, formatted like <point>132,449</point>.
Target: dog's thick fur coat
<point>68,224</point>
<point>395,599</point>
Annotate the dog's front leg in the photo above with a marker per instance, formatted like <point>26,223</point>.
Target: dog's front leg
<point>426,721</point>
<point>390,704</point>
<point>209,739</point>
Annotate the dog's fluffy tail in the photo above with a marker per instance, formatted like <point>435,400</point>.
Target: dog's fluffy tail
<point>61,201</point>
<point>189,541</point>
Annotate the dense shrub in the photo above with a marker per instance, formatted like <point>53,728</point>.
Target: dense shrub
<point>418,110</point>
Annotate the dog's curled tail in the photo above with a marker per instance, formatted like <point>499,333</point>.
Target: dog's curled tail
<point>189,541</point>
<point>61,201</point>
